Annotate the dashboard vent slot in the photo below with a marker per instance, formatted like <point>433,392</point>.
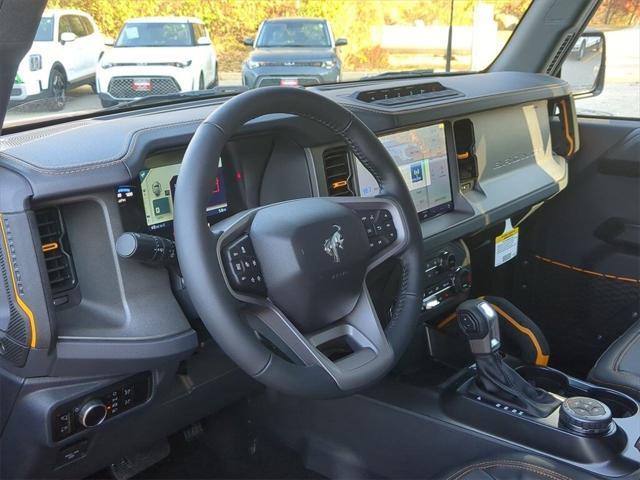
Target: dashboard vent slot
<point>422,93</point>
<point>337,172</point>
<point>566,43</point>
<point>466,153</point>
<point>55,248</point>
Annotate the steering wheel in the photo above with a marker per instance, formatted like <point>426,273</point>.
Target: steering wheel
<point>276,285</point>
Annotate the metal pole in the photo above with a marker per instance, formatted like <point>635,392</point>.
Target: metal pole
<point>447,67</point>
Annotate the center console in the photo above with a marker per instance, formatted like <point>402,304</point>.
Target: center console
<point>439,411</point>
<point>612,450</point>
<point>540,408</point>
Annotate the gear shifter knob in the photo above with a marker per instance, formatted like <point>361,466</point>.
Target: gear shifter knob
<point>479,322</point>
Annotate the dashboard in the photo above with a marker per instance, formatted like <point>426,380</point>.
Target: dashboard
<point>421,155</point>
<point>487,150</point>
<point>470,159</point>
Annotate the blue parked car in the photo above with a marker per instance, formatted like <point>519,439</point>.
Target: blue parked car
<point>292,52</point>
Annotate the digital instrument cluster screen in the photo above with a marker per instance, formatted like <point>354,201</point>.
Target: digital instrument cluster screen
<point>421,157</point>
<point>151,198</point>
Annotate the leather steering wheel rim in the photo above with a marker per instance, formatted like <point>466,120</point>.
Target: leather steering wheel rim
<point>204,274</point>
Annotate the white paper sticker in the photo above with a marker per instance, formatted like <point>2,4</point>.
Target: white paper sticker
<point>506,244</point>
<point>131,33</point>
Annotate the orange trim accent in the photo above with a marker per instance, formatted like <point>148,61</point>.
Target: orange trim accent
<point>463,156</point>
<point>25,308</point>
<point>446,320</point>
<point>339,183</point>
<point>588,272</point>
<point>565,127</point>
<point>50,247</point>
<point>541,359</point>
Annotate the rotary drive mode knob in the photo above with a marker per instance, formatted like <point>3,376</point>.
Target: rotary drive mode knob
<point>585,415</point>
<point>92,413</point>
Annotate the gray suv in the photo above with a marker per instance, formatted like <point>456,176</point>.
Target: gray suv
<point>292,52</point>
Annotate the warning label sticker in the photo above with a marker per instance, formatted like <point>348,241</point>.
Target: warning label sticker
<point>506,244</point>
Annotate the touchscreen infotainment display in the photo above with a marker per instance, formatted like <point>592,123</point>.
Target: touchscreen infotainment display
<point>421,157</point>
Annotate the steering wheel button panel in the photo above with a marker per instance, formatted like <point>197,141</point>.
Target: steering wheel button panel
<point>380,229</point>
<point>243,268</point>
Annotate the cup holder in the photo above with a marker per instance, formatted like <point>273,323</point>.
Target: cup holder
<point>561,384</point>
<point>621,406</point>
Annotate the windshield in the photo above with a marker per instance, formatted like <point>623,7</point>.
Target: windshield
<point>211,48</point>
<point>294,34</point>
<point>45,30</point>
<point>141,34</point>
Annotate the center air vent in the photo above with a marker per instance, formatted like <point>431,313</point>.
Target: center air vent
<point>424,92</point>
<point>57,255</point>
<point>337,172</point>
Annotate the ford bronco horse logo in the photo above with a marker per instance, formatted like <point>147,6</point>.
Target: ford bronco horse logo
<point>333,243</point>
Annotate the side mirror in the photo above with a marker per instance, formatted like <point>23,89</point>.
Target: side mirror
<point>204,41</point>
<point>109,42</point>
<point>341,42</point>
<point>66,37</point>
<point>248,41</point>
<point>583,69</point>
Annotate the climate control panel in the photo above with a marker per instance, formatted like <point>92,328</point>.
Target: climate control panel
<point>101,406</point>
<point>447,276</point>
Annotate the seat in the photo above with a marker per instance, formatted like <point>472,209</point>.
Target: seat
<point>516,467</point>
<point>619,366</point>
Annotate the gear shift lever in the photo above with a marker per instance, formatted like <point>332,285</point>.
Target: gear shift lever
<point>479,322</point>
<point>495,379</point>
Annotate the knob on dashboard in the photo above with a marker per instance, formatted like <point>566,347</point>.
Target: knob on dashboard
<point>462,279</point>
<point>92,413</point>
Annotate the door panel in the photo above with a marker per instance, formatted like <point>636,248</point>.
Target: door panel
<point>71,58</point>
<point>578,277</point>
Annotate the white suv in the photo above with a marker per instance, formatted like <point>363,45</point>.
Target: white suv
<point>157,56</point>
<point>65,52</point>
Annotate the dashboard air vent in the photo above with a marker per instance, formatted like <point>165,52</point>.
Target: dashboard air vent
<point>466,153</point>
<point>424,92</point>
<point>566,43</point>
<point>57,255</point>
<point>337,172</point>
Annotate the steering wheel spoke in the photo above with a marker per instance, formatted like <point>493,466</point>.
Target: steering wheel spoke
<point>385,225</point>
<point>350,351</point>
<point>237,257</point>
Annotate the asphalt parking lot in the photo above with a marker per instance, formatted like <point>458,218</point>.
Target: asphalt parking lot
<point>82,99</point>
<point>621,93</point>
